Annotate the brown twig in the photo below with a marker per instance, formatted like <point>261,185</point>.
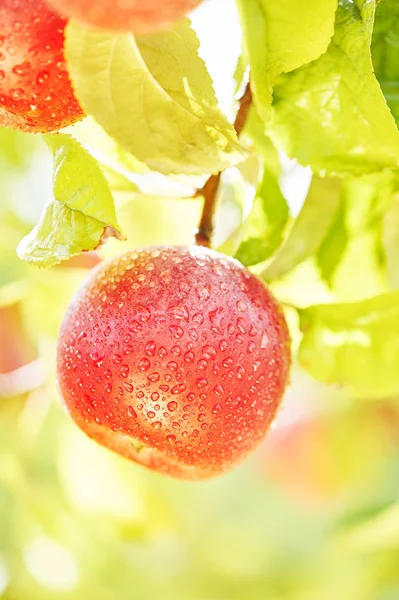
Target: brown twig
<point>210,190</point>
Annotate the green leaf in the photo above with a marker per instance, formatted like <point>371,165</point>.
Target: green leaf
<point>390,240</point>
<point>263,230</point>
<point>352,258</point>
<point>154,96</point>
<point>354,344</point>
<point>309,229</point>
<point>331,114</point>
<point>385,52</point>
<point>280,36</point>
<point>333,247</point>
<point>82,214</point>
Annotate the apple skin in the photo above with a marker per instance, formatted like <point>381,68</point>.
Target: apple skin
<point>35,91</point>
<point>138,16</point>
<point>174,357</point>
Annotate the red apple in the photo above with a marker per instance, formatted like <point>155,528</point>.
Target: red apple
<point>35,91</point>
<point>174,357</point>
<point>139,16</point>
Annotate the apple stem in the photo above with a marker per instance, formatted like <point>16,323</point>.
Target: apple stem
<point>209,191</point>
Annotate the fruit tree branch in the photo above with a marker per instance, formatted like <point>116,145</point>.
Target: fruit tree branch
<point>210,190</point>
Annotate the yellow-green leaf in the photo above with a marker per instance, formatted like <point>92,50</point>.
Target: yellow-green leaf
<point>280,36</point>
<point>263,230</point>
<point>331,114</point>
<point>80,217</point>
<point>154,96</point>
<point>354,344</point>
<point>309,228</point>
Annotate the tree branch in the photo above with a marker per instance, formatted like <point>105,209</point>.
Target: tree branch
<point>210,190</point>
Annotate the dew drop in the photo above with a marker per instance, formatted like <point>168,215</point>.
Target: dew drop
<point>150,348</point>
<point>201,383</point>
<point>223,345</point>
<point>108,388</point>
<point>97,358</point>
<point>151,414</point>
<point>127,350</point>
<point>22,69</point>
<point>172,406</point>
<point>176,350</point>
<point>241,325</point>
<point>240,372</point>
<point>219,390</point>
<point>189,357</point>
<point>253,331</point>
<point>198,318</point>
<point>193,335</point>
<point>178,312</point>
<point>128,387</point>
<point>264,341</point>
<point>131,412</point>
<point>176,331</point>
<point>227,363</point>
<point>172,365</point>
<point>142,313</point>
<point>162,352</point>
<point>178,389</point>
<point>154,396</point>
<point>217,409</point>
<point>209,352</point>
<point>135,326</point>
<point>157,425</point>
<point>251,347</point>
<point>144,364</point>
<point>170,438</point>
<point>153,377</point>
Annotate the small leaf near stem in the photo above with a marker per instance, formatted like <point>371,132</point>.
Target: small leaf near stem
<point>210,189</point>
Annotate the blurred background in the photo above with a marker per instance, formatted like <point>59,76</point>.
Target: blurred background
<point>312,515</point>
